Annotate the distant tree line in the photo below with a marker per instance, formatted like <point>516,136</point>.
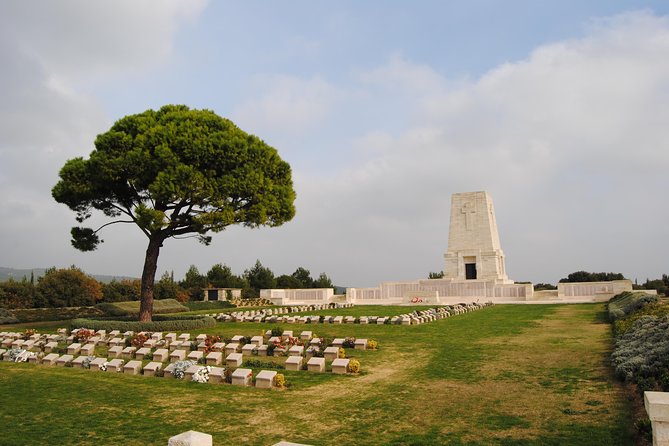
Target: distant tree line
<point>71,287</point>
<point>584,276</point>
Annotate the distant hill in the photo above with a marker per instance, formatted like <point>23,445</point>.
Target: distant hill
<point>19,274</point>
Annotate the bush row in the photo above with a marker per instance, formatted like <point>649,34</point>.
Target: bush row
<point>209,305</point>
<point>627,302</point>
<point>131,308</point>
<point>641,351</point>
<point>54,314</point>
<point>181,324</point>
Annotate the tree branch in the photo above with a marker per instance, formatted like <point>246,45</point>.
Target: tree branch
<point>112,223</point>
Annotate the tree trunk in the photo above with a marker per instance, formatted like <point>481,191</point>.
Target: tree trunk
<point>148,278</point>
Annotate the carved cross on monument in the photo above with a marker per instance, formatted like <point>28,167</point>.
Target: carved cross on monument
<point>468,209</point>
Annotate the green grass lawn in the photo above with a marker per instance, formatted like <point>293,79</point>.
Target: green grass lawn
<point>505,375</point>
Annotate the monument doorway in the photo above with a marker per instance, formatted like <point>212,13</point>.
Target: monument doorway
<point>470,271</point>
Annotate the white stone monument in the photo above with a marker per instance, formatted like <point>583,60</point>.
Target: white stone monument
<point>474,251</point>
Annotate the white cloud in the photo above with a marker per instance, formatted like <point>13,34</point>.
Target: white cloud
<point>75,39</point>
<point>287,104</point>
<point>49,52</point>
<point>571,142</point>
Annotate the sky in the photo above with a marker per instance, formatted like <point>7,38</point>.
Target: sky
<point>383,108</point>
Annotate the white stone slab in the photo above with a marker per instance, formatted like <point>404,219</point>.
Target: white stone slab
<point>128,352</point>
<point>168,371</point>
<point>340,366</point>
<point>265,379</point>
<point>65,359</point>
<point>232,347</point>
<point>214,358</point>
<point>96,363</point>
<point>216,375</point>
<point>142,352</point>
<point>50,359</point>
<point>296,350</point>
<point>247,350</point>
<point>161,355</point>
<point>233,360</point>
<point>361,344</point>
<point>316,365</point>
<point>78,362</point>
<point>331,353</point>
<point>177,355</point>
<point>87,349</point>
<point>294,363</point>
<point>241,377</point>
<point>191,438</point>
<point>195,355</point>
<point>132,367</point>
<point>190,371</point>
<point>73,349</point>
<point>151,368</point>
<point>115,365</point>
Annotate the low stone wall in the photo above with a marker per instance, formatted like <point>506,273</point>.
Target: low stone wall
<point>300,296</point>
<point>598,291</point>
<point>438,291</point>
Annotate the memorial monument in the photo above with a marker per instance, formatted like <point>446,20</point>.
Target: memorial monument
<point>474,270</point>
<point>474,251</point>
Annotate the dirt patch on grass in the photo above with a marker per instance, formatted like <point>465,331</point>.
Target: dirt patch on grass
<point>553,373</point>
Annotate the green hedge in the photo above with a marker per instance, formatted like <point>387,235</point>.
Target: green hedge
<point>209,305</point>
<point>54,314</point>
<point>131,308</point>
<point>6,317</point>
<point>167,324</point>
<point>628,302</point>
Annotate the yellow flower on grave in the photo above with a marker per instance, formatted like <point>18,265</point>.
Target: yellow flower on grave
<point>354,366</point>
<point>341,353</point>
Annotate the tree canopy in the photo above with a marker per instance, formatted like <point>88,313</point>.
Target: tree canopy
<point>69,287</point>
<point>584,276</point>
<point>175,172</point>
<point>260,277</point>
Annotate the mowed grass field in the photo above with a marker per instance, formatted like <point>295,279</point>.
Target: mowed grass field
<point>504,375</point>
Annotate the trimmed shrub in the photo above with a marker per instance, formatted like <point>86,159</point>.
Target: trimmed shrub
<point>54,314</point>
<point>131,308</point>
<point>7,318</point>
<point>643,351</point>
<point>624,324</point>
<point>194,323</point>
<point>209,305</point>
<point>627,302</point>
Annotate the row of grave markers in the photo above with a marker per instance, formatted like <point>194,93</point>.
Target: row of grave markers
<point>19,352</point>
<point>280,315</point>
